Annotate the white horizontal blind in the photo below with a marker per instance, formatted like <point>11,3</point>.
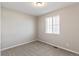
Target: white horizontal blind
<point>56,24</point>
<point>52,24</point>
<point>49,25</point>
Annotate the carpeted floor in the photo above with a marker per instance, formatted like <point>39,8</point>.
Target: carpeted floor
<point>36,48</point>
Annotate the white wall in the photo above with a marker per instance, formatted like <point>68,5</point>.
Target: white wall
<point>0,28</point>
<point>17,28</point>
<point>69,29</point>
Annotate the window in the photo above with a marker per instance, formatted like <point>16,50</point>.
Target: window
<point>52,24</point>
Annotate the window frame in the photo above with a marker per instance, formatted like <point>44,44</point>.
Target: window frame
<point>53,25</point>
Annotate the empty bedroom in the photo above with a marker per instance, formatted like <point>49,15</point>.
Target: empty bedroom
<point>39,28</point>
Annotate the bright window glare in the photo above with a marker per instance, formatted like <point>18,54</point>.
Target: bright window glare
<point>49,25</point>
<point>52,24</point>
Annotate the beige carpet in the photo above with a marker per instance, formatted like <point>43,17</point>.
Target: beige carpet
<point>36,49</point>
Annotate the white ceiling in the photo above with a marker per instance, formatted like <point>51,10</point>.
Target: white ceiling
<point>28,8</point>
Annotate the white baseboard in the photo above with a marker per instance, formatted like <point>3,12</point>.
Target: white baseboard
<point>16,45</point>
<point>40,41</point>
<point>58,46</point>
